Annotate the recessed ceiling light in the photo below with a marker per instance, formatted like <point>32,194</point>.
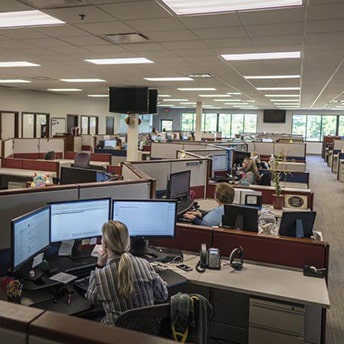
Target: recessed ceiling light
<point>163,95</point>
<point>130,60</point>
<point>234,103</point>
<point>170,79</point>
<point>211,107</point>
<point>27,19</point>
<point>278,88</point>
<point>234,93</point>
<point>200,75</point>
<point>98,95</point>
<point>64,89</point>
<point>197,89</point>
<point>262,56</point>
<point>226,100</point>
<point>283,95</point>
<point>175,100</point>
<point>13,81</point>
<point>188,103</point>
<point>18,64</point>
<point>125,38</point>
<point>209,6</point>
<point>83,80</point>
<point>213,95</point>
<point>284,100</point>
<point>261,77</point>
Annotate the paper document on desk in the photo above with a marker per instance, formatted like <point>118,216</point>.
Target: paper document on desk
<point>63,277</point>
<point>66,248</point>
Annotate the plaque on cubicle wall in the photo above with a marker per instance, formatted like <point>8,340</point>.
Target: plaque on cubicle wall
<point>296,201</point>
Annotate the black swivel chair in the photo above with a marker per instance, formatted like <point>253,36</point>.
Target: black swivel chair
<point>51,155</point>
<point>265,179</point>
<point>82,159</point>
<point>155,320</point>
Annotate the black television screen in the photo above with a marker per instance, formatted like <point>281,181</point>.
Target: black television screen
<point>274,116</point>
<point>153,101</point>
<point>240,217</point>
<point>128,99</point>
<point>179,185</point>
<point>297,224</point>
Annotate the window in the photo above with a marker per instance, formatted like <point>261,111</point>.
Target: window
<point>314,127</point>
<point>166,124</point>
<point>225,124</point>
<point>341,126</point>
<point>209,121</point>
<point>250,123</point>
<point>188,121</point>
<point>35,125</point>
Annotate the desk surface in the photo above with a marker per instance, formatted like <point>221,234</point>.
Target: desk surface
<point>264,281</point>
<point>22,172</point>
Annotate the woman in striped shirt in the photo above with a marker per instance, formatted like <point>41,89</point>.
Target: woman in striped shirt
<point>120,280</point>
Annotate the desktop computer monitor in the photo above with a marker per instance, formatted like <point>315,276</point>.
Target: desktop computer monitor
<point>78,219</point>
<point>179,185</point>
<point>297,224</point>
<point>240,217</point>
<point>73,175</point>
<point>110,144</point>
<point>218,164</point>
<point>146,219</point>
<point>30,235</point>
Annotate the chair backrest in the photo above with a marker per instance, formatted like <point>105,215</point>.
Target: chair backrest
<point>265,179</point>
<point>153,320</point>
<point>50,155</point>
<point>82,159</point>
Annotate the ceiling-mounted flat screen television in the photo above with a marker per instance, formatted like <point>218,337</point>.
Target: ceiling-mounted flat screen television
<point>128,99</point>
<point>153,102</point>
<point>274,116</point>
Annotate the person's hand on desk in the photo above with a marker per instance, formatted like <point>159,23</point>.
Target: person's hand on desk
<point>191,215</point>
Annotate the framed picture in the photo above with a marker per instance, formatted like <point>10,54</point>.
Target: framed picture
<point>296,201</point>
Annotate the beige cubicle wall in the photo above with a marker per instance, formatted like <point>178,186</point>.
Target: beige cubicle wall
<point>167,150</point>
<point>338,144</point>
<point>290,149</point>
<point>14,203</point>
<point>37,145</point>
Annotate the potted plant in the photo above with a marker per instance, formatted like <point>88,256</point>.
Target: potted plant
<point>278,199</point>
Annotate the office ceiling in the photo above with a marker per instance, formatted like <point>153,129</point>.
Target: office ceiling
<point>179,46</point>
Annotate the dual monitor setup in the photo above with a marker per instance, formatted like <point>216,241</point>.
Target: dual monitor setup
<point>34,232</point>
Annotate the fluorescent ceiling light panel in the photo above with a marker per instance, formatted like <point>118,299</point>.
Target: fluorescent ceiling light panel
<point>226,100</point>
<point>262,77</point>
<point>83,80</point>
<point>27,19</point>
<point>234,103</point>
<point>283,95</point>
<point>163,95</point>
<point>9,64</point>
<point>189,7</point>
<point>98,95</point>
<point>234,93</point>
<point>175,100</point>
<point>170,79</point>
<point>213,95</point>
<point>278,88</point>
<point>13,81</point>
<point>262,56</point>
<point>129,60</point>
<point>200,75</point>
<point>197,89</point>
<point>284,100</point>
<point>188,103</point>
<point>64,89</point>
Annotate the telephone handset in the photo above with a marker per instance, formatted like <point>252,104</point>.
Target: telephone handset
<point>209,259</point>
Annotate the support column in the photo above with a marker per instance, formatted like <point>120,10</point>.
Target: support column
<point>198,126</point>
<point>117,123</point>
<point>133,132</point>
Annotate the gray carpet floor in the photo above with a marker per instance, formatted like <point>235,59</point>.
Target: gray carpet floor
<point>329,205</point>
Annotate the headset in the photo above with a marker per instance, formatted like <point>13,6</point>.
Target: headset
<point>236,258</point>
<point>202,264</point>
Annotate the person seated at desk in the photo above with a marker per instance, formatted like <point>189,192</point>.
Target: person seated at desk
<point>120,280</point>
<point>224,194</point>
<point>251,175</point>
<point>119,143</point>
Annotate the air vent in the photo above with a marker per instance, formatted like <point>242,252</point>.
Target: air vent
<point>125,38</point>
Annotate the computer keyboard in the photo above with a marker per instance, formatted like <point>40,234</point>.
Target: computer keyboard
<point>82,283</point>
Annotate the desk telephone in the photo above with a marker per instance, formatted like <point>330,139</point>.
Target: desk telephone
<point>209,259</point>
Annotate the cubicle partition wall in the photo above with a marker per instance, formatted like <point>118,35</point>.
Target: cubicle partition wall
<point>161,170</point>
<point>338,144</point>
<point>292,151</point>
<point>167,150</point>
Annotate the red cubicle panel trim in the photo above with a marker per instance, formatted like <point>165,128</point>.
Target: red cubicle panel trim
<point>188,238</point>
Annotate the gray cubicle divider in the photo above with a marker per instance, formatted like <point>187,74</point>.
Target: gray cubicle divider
<point>338,144</point>
<point>264,148</point>
<point>8,148</point>
<point>295,150</point>
<point>165,150</point>
<point>14,204</point>
<point>140,190</point>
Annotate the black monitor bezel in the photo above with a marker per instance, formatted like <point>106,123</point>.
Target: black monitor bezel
<point>15,268</point>
<point>77,170</point>
<point>119,100</point>
<point>147,237</point>
<point>178,196</point>
<point>235,210</point>
<point>287,216</point>
<point>80,201</point>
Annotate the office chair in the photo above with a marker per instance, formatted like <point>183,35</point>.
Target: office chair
<point>50,155</point>
<point>265,179</point>
<point>82,159</point>
<point>154,320</point>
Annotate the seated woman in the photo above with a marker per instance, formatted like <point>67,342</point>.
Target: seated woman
<point>224,194</point>
<point>120,280</point>
<point>251,175</point>
<point>119,143</point>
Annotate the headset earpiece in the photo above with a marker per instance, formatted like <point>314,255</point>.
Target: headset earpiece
<point>236,258</point>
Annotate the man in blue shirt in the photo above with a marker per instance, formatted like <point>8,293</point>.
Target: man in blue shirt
<point>224,194</point>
